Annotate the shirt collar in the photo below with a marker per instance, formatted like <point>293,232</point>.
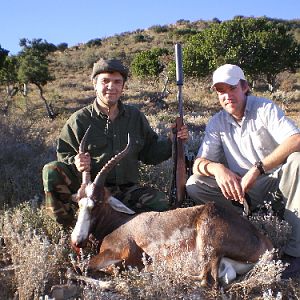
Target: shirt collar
<point>248,104</point>
<point>97,112</point>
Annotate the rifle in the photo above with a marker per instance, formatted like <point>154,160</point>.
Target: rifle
<point>177,192</point>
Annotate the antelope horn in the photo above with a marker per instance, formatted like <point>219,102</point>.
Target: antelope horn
<point>82,144</point>
<point>86,176</point>
<point>100,178</point>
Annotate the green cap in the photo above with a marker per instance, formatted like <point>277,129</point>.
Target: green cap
<point>109,65</point>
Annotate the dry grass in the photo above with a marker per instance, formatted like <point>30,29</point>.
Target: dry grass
<point>161,280</point>
<point>35,250</point>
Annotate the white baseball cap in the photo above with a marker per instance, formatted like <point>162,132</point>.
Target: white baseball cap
<point>230,74</point>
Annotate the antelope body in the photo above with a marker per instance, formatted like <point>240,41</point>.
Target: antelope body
<point>219,238</point>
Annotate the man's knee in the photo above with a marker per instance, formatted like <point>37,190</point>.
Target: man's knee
<point>203,189</point>
<point>191,186</point>
<point>53,168</point>
<point>49,174</point>
<point>56,174</point>
<point>197,183</point>
<point>294,160</point>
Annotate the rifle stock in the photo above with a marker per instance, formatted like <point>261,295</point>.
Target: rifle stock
<point>177,191</point>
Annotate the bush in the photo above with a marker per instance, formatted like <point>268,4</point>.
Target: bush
<point>138,38</point>
<point>94,42</point>
<point>37,260</point>
<point>22,155</point>
<point>62,46</point>
<point>147,63</point>
<point>159,28</point>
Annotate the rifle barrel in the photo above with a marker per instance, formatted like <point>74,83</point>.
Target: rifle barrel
<point>179,163</point>
<point>178,58</point>
<point>179,77</point>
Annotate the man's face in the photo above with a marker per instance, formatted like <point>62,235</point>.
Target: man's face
<point>109,88</point>
<point>232,98</point>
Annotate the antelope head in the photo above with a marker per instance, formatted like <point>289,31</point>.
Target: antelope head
<point>96,193</point>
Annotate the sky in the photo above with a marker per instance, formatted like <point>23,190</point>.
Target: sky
<point>74,21</point>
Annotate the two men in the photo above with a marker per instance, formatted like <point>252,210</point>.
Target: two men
<point>249,147</point>
<point>110,123</point>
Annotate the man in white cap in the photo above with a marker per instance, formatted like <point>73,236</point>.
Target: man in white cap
<point>250,147</point>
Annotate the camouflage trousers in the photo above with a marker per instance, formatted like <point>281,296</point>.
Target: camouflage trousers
<point>61,182</point>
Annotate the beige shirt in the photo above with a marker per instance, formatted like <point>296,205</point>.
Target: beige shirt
<point>263,127</point>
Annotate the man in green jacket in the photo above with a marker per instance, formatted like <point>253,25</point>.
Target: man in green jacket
<point>110,122</point>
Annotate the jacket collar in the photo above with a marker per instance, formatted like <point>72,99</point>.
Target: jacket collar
<point>96,112</point>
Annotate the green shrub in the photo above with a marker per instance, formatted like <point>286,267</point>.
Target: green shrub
<point>159,28</point>
<point>147,63</point>
<point>94,42</point>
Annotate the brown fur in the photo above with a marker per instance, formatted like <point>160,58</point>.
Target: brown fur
<point>208,230</point>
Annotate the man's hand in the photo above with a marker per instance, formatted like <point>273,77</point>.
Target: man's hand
<point>182,133</point>
<point>229,183</point>
<point>83,162</point>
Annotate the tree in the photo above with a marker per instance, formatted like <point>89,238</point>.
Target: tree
<point>147,63</point>
<point>263,48</point>
<point>62,47</point>
<point>7,75</point>
<point>94,42</point>
<point>8,78</point>
<point>34,69</point>
<point>37,44</point>
<point>3,55</point>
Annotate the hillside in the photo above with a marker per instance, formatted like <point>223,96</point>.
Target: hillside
<point>34,248</point>
<point>125,45</point>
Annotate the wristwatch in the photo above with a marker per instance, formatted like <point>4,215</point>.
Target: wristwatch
<point>259,165</point>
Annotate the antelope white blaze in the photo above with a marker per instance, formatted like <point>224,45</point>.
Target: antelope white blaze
<point>81,230</point>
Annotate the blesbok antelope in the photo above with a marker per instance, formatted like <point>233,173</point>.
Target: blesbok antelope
<point>217,237</point>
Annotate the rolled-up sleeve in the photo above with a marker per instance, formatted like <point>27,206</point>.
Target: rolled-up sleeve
<point>211,147</point>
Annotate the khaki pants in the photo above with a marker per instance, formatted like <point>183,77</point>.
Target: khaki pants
<point>204,189</point>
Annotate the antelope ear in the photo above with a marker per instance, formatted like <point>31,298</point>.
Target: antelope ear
<point>119,206</point>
